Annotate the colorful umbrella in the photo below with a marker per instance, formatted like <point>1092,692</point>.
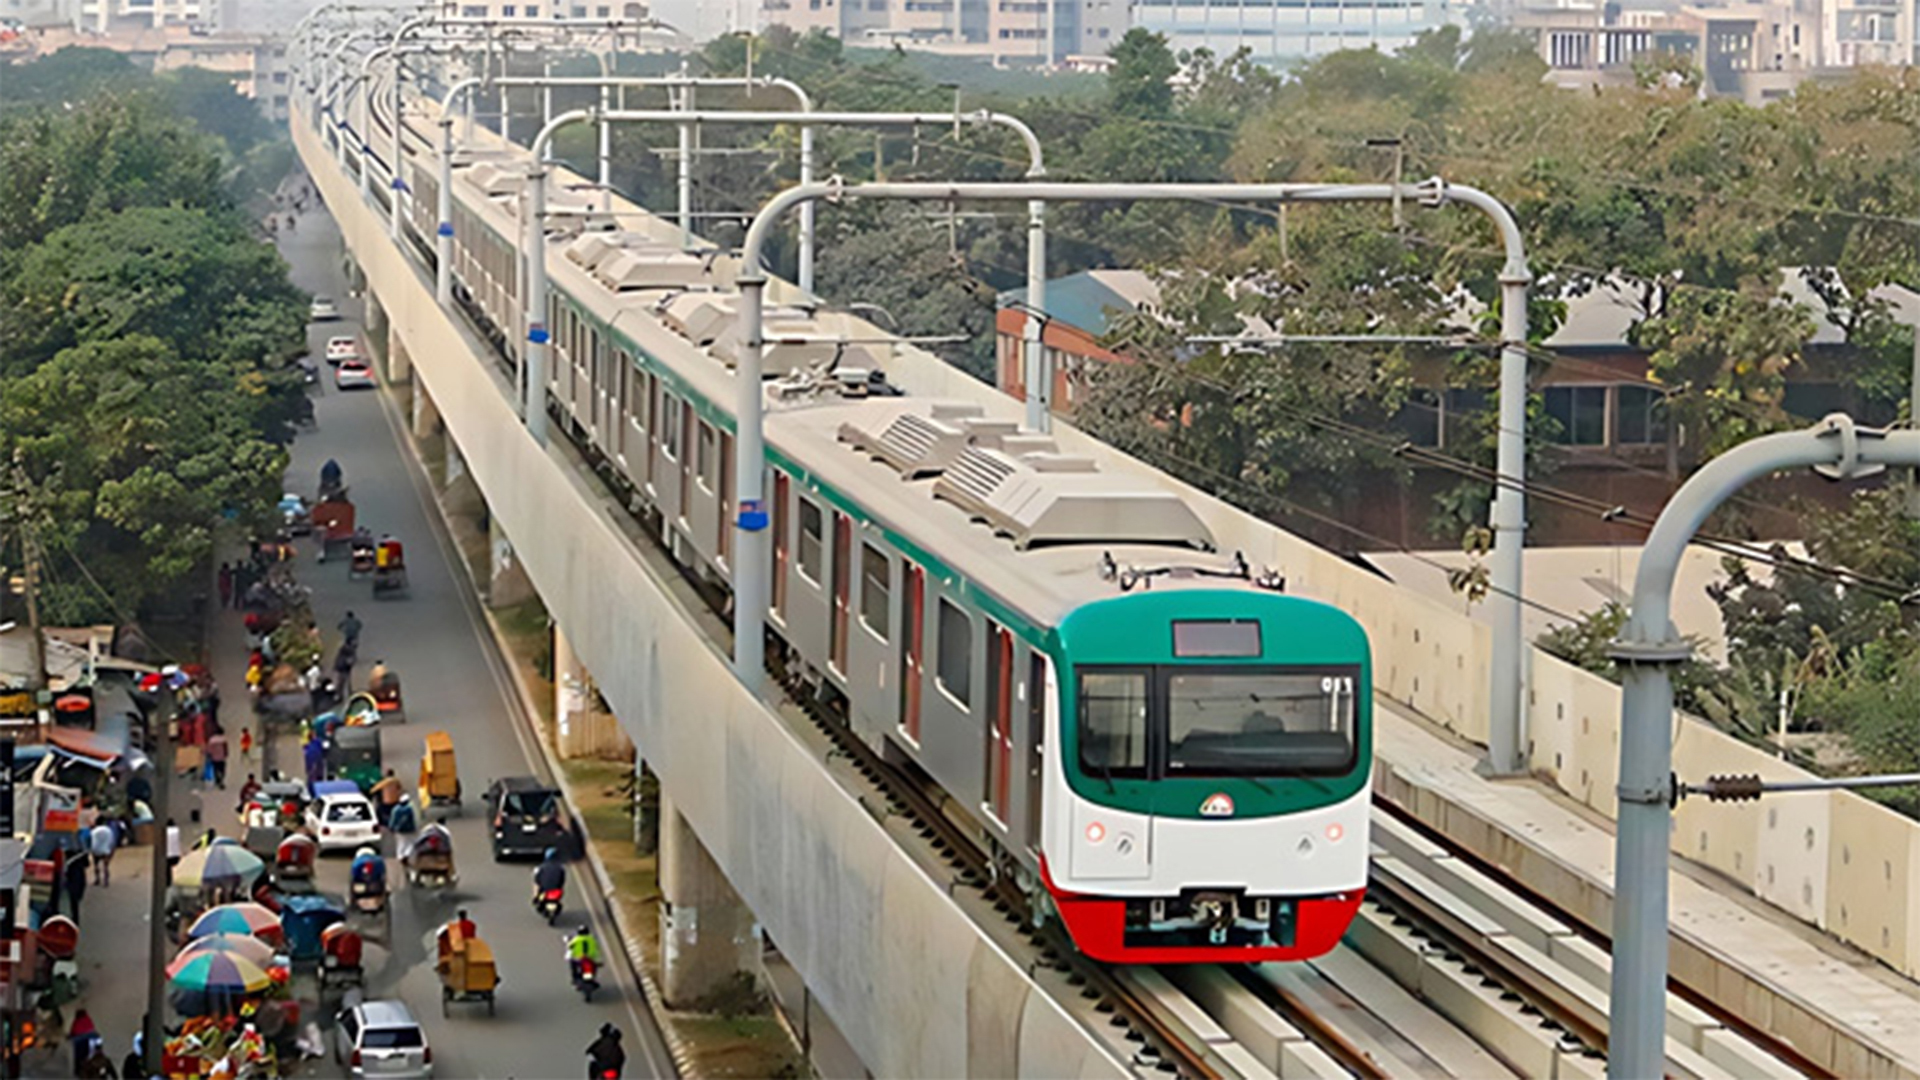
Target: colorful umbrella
<point>219,864</point>
<point>246,920</point>
<point>250,949</point>
<point>215,972</point>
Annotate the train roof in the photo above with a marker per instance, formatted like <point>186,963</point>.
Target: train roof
<point>1046,548</point>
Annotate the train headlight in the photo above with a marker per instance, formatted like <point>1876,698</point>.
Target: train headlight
<point>1096,832</point>
<point>1335,831</point>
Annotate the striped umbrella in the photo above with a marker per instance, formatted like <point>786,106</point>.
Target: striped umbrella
<point>250,949</point>
<point>219,865</point>
<point>245,920</point>
<point>214,972</point>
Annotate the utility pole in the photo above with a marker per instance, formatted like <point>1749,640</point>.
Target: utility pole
<point>1913,421</point>
<point>25,518</point>
<point>160,722</point>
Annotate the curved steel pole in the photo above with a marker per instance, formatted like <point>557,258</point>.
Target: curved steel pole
<point>750,567</point>
<point>535,313</point>
<point>1648,650</point>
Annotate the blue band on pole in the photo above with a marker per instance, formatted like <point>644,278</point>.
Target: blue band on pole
<point>537,335</point>
<point>446,228</point>
<point>399,184</point>
<point>753,515</point>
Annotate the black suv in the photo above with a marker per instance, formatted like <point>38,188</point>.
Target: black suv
<point>528,818</point>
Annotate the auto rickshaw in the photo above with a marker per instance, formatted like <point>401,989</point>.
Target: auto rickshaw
<point>429,859</point>
<point>353,753</point>
<point>384,687</point>
<point>277,804</point>
<point>304,919</point>
<point>389,568</point>
<point>293,863</point>
<point>466,967</point>
<point>439,776</point>
<point>341,951</point>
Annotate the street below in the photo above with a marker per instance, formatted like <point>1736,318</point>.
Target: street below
<point>453,679</point>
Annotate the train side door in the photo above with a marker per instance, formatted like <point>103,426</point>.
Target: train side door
<point>913,637</point>
<point>1000,722</point>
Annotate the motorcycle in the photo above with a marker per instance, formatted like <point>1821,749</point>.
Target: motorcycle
<point>547,903</point>
<point>586,973</point>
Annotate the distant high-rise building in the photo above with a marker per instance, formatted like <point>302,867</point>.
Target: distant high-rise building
<point>1023,32</point>
<point>1276,32</point>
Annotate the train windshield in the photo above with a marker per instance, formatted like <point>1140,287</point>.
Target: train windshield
<point>1183,720</point>
<point>1259,723</point>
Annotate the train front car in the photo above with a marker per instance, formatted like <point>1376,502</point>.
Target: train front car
<point>1210,800</point>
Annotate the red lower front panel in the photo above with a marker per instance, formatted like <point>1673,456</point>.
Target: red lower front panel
<point>1097,925</point>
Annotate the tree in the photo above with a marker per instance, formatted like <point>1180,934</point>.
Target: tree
<point>108,154</point>
<point>191,279</point>
<point>1139,85</point>
<point>1725,356</point>
<point>898,259</point>
<point>140,454</point>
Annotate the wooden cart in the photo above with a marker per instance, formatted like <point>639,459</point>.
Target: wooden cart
<point>467,971</point>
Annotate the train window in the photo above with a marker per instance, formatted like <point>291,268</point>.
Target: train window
<point>810,541</point>
<point>1113,723</point>
<point>954,667</point>
<point>703,456</point>
<point>876,588</point>
<point>669,445</point>
<point>1228,722</point>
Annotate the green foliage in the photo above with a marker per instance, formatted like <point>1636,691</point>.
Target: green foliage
<point>197,281</point>
<point>139,453</point>
<point>1725,356</point>
<point>145,392</point>
<point>898,258</point>
<point>105,155</point>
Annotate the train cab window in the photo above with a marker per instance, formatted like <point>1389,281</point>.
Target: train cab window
<point>1226,722</point>
<point>810,529</point>
<point>954,664</point>
<point>876,588</point>
<point>1113,723</point>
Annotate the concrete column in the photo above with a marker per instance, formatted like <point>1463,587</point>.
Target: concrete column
<point>572,687</point>
<point>462,496</point>
<point>508,583</point>
<point>399,364</point>
<point>426,420</point>
<point>709,944</point>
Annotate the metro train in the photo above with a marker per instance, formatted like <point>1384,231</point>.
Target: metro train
<point>1162,748</point>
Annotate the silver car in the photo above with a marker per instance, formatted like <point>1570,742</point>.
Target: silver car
<point>322,310</point>
<point>381,1039</point>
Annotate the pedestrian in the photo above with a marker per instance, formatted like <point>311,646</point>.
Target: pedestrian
<point>343,667</point>
<point>173,844</point>
<point>135,1066</point>
<point>246,744</point>
<point>350,630</point>
<point>226,586</point>
<point>316,761</point>
<point>99,1066</point>
<point>84,1035</point>
<point>387,791</point>
<point>102,841</point>
<point>77,883</point>
<point>217,756</point>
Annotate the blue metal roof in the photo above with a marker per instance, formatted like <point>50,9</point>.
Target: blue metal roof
<point>1079,300</point>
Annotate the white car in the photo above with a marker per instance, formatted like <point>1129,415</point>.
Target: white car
<point>382,1039</point>
<point>322,309</point>
<point>353,375</point>
<point>341,820</point>
<point>342,348</point>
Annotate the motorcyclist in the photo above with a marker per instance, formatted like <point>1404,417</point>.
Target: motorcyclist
<point>582,946</point>
<point>604,1056</point>
<point>330,475</point>
<point>550,875</point>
